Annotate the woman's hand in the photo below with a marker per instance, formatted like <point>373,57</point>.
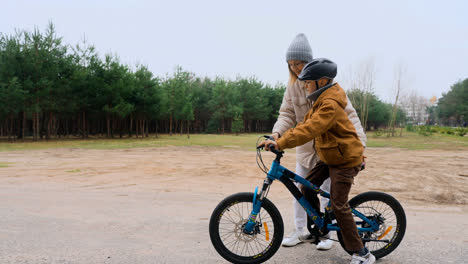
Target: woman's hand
<point>275,136</point>
<point>363,164</point>
<point>268,142</point>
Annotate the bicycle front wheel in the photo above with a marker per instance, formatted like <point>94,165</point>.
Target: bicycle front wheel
<point>385,210</point>
<point>226,230</point>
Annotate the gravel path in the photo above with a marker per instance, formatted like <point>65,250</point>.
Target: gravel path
<point>153,206</point>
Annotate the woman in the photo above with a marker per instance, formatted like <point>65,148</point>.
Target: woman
<point>293,109</point>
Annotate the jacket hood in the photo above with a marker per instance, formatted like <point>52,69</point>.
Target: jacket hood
<point>333,92</point>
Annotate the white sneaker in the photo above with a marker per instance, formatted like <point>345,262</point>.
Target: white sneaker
<point>366,259</point>
<point>325,243</point>
<point>293,239</point>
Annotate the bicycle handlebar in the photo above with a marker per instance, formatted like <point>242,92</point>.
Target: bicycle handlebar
<point>271,147</point>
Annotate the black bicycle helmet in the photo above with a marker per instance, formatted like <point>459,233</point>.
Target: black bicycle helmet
<point>318,68</point>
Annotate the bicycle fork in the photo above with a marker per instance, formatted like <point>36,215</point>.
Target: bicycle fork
<point>257,204</point>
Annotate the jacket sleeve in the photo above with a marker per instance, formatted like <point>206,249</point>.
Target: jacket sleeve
<point>318,123</point>
<point>354,118</point>
<point>287,116</point>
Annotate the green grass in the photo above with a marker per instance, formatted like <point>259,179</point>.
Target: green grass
<point>5,164</point>
<point>242,141</point>
<point>73,171</point>
<point>409,140</point>
<point>415,141</point>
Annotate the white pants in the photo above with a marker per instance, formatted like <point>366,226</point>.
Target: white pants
<point>300,216</point>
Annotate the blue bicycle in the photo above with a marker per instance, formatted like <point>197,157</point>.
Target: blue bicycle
<point>248,228</point>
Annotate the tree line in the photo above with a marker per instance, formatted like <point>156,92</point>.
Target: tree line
<point>452,107</point>
<point>378,113</point>
<point>52,90</point>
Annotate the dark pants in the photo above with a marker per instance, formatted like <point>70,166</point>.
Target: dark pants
<point>341,181</point>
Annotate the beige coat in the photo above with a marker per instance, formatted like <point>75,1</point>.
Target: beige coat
<point>292,111</point>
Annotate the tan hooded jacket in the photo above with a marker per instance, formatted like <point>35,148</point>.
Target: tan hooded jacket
<point>292,111</point>
<point>336,140</point>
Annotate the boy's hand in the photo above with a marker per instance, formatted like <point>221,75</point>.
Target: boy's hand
<point>268,142</point>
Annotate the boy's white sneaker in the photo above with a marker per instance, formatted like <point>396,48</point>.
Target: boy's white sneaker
<point>293,239</point>
<point>325,244</point>
<point>366,259</point>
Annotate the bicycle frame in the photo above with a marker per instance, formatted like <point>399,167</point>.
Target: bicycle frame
<point>287,177</point>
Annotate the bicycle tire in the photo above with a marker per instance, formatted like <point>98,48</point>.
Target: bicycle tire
<point>399,224</point>
<point>267,208</point>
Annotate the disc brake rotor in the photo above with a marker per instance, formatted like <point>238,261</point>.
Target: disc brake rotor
<point>239,231</point>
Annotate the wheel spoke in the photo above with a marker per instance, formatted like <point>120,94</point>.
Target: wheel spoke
<point>227,229</point>
<point>232,236</point>
<point>373,208</point>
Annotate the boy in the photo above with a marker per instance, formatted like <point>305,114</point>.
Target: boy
<point>337,145</point>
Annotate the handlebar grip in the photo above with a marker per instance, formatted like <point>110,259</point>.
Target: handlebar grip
<point>272,148</point>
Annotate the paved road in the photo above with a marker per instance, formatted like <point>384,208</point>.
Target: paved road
<point>50,222</point>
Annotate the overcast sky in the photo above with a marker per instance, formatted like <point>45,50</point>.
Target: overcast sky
<point>250,38</point>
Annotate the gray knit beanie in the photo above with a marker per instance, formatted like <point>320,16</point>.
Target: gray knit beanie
<point>299,49</point>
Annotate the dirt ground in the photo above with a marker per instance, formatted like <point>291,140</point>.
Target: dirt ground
<point>152,205</point>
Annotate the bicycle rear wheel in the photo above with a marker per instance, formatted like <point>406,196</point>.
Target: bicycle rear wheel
<point>226,230</point>
<point>388,212</point>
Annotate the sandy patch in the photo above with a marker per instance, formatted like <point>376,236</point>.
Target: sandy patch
<point>434,176</point>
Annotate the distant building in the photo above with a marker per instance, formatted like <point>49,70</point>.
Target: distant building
<point>416,109</point>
